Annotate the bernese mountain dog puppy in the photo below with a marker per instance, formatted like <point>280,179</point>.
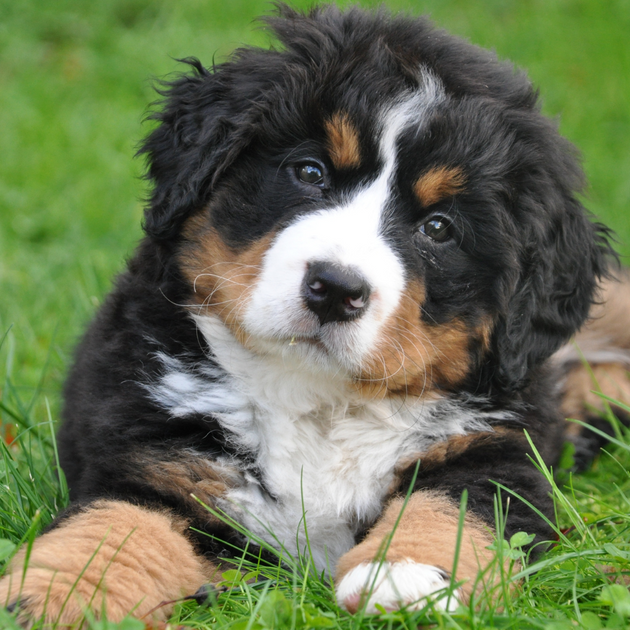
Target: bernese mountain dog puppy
<point>363,252</point>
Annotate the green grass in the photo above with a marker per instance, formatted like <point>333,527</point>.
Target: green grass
<point>75,83</point>
<point>578,582</point>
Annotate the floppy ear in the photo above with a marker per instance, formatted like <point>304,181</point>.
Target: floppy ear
<point>202,128</point>
<point>563,256</point>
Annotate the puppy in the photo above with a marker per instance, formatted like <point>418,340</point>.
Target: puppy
<point>362,250</point>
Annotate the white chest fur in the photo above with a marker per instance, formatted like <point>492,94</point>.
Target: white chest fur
<point>325,456</point>
<point>329,470</point>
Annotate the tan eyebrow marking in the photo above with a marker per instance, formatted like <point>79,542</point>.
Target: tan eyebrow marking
<point>343,141</point>
<point>438,183</point>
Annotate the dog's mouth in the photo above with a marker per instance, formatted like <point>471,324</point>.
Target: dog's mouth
<point>316,341</point>
<point>332,345</point>
<point>296,340</point>
<point>310,345</point>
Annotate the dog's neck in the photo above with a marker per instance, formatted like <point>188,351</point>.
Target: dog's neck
<point>317,444</point>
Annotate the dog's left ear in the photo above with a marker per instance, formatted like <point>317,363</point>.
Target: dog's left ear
<point>562,257</point>
<point>203,126</point>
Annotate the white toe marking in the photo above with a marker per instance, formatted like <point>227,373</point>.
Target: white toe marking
<point>396,585</point>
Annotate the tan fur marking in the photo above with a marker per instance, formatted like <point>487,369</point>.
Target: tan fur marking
<point>222,278</point>
<point>143,559</point>
<point>426,533</point>
<point>342,141</point>
<point>439,183</point>
<point>608,319</point>
<point>450,448</point>
<point>415,358</point>
<point>579,401</point>
<point>606,334</point>
<point>189,477</point>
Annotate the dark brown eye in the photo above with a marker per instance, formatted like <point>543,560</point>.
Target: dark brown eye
<point>310,173</point>
<point>438,229</point>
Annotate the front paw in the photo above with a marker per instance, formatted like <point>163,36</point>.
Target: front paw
<point>40,596</point>
<point>111,559</point>
<point>419,540</point>
<point>394,585</point>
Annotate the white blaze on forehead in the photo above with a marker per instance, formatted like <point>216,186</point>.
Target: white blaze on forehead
<point>349,235</point>
<point>409,110</point>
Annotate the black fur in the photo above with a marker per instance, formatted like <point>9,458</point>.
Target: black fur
<point>524,252</point>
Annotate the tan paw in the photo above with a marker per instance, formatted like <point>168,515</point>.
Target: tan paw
<point>112,559</point>
<point>424,540</point>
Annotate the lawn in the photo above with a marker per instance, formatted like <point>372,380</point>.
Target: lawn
<point>76,82</point>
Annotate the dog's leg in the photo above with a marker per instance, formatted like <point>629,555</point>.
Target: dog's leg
<point>604,342</point>
<point>111,559</point>
<point>418,560</point>
<point>421,555</point>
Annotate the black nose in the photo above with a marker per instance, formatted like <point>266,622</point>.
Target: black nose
<point>334,293</point>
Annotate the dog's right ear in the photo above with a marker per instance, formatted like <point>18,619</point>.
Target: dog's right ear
<point>201,130</point>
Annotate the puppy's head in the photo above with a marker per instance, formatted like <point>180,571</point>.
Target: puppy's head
<point>377,199</point>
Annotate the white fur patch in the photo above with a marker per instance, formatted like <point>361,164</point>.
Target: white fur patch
<point>184,391</point>
<point>395,585</point>
<point>326,456</point>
